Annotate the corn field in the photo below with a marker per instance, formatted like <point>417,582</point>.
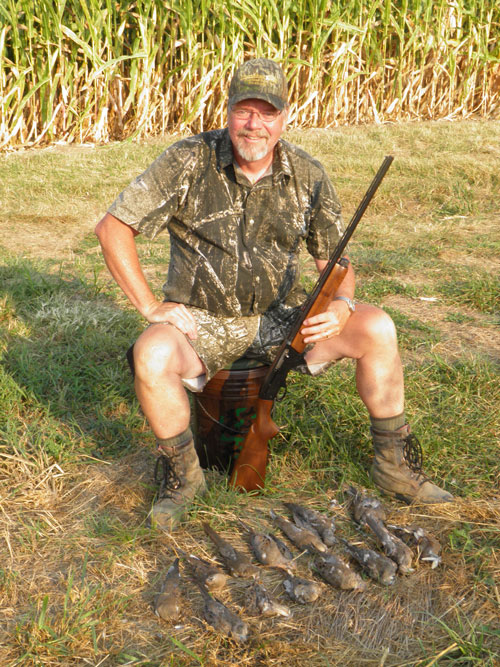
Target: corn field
<point>95,71</point>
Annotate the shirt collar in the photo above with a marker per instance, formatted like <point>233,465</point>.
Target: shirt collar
<point>225,152</point>
<point>281,162</point>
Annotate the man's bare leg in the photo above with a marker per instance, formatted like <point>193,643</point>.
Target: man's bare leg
<point>162,357</point>
<point>369,337</point>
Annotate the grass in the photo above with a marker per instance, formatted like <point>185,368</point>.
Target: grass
<point>79,565</point>
<point>98,71</point>
<point>473,287</point>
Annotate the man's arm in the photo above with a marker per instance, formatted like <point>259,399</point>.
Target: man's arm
<point>332,321</point>
<point>117,241</point>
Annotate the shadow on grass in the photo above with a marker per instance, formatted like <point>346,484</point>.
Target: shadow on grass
<point>62,358</point>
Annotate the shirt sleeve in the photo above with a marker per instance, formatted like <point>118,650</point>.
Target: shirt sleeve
<point>326,226</point>
<point>153,198</point>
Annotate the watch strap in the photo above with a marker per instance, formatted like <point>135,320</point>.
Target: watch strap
<point>351,304</point>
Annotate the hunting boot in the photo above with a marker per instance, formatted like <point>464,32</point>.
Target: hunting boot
<point>180,479</point>
<point>397,468</point>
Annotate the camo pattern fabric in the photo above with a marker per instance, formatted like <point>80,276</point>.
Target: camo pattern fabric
<point>223,340</point>
<point>234,246</point>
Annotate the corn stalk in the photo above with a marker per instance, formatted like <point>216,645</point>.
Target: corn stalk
<point>95,71</point>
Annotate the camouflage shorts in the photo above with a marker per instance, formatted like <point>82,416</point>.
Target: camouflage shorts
<point>223,340</point>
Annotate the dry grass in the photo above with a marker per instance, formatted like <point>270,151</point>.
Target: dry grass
<point>75,561</point>
<point>473,336</point>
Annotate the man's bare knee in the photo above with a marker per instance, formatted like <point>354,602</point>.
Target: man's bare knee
<point>156,351</point>
<point>163,349</point>
<point>370,329</point>
<point>380,327</point>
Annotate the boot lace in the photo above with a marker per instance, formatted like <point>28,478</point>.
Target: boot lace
<point>165,476</point>
<point>412,453</point>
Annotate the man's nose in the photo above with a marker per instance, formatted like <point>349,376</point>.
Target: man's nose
<point>254,120</point>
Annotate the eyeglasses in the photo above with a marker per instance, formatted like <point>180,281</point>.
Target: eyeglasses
<point>264,116</point>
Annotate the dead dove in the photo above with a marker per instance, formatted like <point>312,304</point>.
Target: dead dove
<point>206,573</point>
<point>393,547</point>
<point>324,526</point>
<point>428,547</point>
<point>283,548</point>
<point>223,619</point>
<point>368,512</point>
<point>237,562</point>
<point>337,573</point>
<point>167,604</point>
<point>301,590</point>
<point>360,503</point>
<point>269,551</point>
<point>377,566</point>
<point>261,601</point>
<point>303,538</point>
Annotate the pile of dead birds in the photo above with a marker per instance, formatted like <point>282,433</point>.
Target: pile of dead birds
<point>313,533</point>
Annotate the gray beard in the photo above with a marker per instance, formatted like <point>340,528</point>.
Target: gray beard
<point>252,153</point>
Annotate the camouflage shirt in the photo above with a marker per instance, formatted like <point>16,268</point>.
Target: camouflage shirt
<point>234,246</point>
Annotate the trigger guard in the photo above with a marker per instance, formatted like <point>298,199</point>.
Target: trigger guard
<point>282,393</point>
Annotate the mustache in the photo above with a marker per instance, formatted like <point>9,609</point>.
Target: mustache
<point>261,134</point>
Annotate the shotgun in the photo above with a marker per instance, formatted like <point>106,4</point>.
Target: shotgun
<point>249,470</point>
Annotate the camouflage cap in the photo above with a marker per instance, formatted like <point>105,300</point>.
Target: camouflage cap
<point>260,79</point>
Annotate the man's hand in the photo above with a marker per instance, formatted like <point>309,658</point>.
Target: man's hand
<point>118,244</point>
<point>173,313</point>
<point>327,324</point>
<point>330,323</point>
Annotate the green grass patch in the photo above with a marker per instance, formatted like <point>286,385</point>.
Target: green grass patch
<point>459,318</point>
<point>468,388</point>
<point>63,355</point>
<point>472,287</point>
<point>373,290</point>
<point>370,260</point>
<point>412,332</point>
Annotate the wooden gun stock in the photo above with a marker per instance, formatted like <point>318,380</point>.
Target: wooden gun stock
<point>249,471</point>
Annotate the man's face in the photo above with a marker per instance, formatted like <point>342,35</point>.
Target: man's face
<point>256,133</point>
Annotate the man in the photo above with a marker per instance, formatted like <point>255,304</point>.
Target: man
<point>237,204</point>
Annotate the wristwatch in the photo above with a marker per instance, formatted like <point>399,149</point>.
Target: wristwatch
<point>350,303</point>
